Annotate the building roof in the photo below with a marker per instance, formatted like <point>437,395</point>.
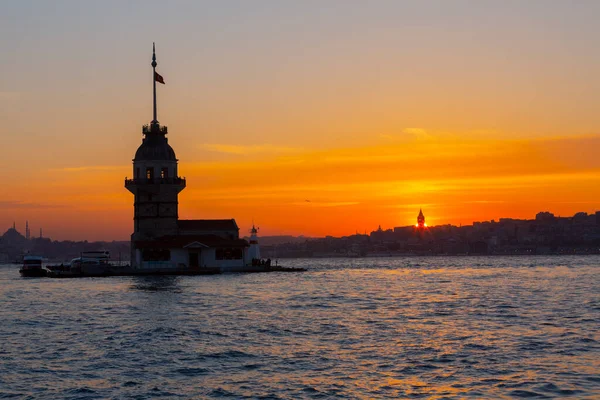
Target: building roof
<point>181,241</point>
<point>207,225</point>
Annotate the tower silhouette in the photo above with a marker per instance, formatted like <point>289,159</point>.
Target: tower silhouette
<point>421,219</point>
<point>155,184</point>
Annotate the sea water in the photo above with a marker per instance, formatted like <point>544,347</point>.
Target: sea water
<point>481,327</point>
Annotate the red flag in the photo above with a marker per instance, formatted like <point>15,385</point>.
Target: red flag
<point>158,78</point>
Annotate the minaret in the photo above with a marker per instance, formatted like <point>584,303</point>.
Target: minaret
<point>27,230</point>
<point>40,233</point>
<point>421,220</point>
<point>155,184</point>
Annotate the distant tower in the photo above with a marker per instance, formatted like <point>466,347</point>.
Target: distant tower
<point>254,250</point>
<point>421,220</point>
<point>155,184</point>
<point>27,230</point>
<point>41,233</point>
<point>14,225</point>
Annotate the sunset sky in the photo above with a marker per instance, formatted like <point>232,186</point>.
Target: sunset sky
<point>310,117</point>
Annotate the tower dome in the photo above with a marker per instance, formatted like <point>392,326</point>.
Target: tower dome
<point>155,146</point>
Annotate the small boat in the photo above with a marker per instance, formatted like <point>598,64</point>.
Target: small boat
<point>32,267</point>
<point>90,263</point>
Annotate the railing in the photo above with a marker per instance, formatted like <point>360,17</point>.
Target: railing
<point>146,181</point>
<point>146,129</point>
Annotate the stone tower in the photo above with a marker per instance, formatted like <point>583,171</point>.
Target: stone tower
<point>155,184</point>
<point>421,219</point>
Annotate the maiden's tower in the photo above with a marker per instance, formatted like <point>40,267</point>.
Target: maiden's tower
<point>160,240</point>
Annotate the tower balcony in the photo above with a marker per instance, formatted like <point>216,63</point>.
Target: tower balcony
<point>154,128</point>
<point>154,184</point>
<point>154,181</point>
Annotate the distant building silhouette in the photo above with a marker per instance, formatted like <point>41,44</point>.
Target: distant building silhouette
<point>546,234</point>
<point>421,220</point>
<point>544,216</point>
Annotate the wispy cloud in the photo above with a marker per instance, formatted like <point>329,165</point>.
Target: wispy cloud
<point>485,202</point>
<point>409,133</point>
<point>412,206</point>
<point>418,133</point>
<point>91,168</point>
<point>310,203</point>
<point>10,205</point>
<point>248,149</point>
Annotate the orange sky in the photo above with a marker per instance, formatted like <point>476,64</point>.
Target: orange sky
<point>306,119</point>
<point>335,191</point>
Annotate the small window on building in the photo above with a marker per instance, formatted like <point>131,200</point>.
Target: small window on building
<point>156,254</point>
<point>229,254</point>
<point>164,173</point>
<point>237,254</point>
<point>149,173</point>
<point>137,172</point>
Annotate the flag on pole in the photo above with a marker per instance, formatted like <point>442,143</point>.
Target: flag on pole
<point>158,78</point>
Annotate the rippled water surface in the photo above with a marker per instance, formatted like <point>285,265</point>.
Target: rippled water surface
<point>348,328</point>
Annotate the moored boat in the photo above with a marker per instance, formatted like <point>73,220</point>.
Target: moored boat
<point>90,263</point>
<point>32,267</point>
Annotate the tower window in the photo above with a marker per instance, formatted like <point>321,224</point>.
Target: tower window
<point>164,173</point>
<point>137,172</point>
<point>149,173</point>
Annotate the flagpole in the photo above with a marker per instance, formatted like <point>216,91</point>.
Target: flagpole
<point>154,121</point>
